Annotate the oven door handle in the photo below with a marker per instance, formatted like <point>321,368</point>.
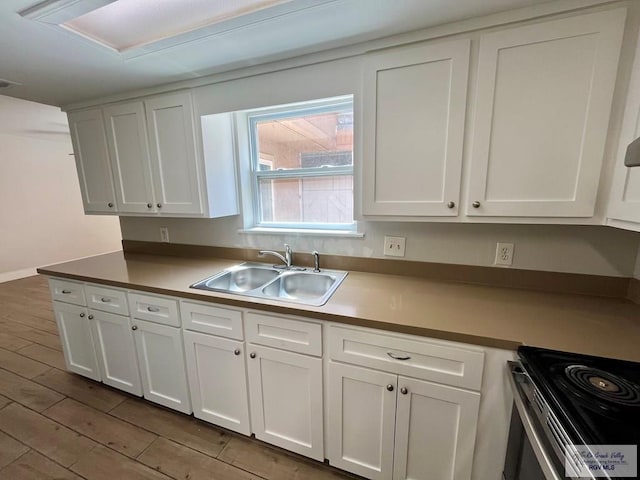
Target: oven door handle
<point>546,465</point>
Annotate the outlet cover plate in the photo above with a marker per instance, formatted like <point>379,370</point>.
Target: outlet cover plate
<point>504,254</point>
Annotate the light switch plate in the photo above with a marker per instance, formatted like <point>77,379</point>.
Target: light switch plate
<point>164,234</point>
<point>394,246</point>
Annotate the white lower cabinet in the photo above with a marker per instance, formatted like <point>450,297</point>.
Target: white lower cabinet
<point>162,367</point>
<point>362,411</point>
<point>435,431</point>
<point>216,368</point>
<point>116,351</point>
<point>386,426</point>
<point>406,408</point>
<point>77,340</point>
<point>398,406</point>
<point>286,400</point>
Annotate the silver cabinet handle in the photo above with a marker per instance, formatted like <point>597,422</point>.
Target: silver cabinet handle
<point>451,204</point>
<point>110,204</point>
<point>252,354</point>
<point>159,205</point>
<point>476,204</point>
<point>149,205</point>
<point>66,292</point>
<point>404,390</point>
<point>390,387</point>
<point>237,352</point>
<point>105,300</point>
<point>398,357</point>
<point>82,315</point>
<point>134,327</point>
<point>90,317</point>
<point>153,309</point>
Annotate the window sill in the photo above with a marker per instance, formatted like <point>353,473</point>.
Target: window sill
<point>303,231</point>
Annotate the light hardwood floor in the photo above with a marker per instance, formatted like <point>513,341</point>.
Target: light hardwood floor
<point>57,425</point>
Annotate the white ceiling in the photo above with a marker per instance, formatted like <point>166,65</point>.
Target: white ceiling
<point>57,67</point>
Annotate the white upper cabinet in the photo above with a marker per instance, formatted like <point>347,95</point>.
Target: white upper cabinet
<point>414,113</point>
<point>543,100</point>
<point>176,176</point>
<point>142,158</point>
<point>129,151</point>
<point>92,161</point>
<point>624,203</point>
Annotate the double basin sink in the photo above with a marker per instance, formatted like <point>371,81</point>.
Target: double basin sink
<point>293,284</point>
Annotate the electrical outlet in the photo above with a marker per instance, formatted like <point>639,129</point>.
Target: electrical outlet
<point>164,234</point>
<point>394,246</point>
<point>504,254</point>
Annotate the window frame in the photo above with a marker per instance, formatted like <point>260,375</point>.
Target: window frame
<point>331,105</point>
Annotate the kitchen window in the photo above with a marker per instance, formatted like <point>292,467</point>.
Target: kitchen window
<point>301,160</point>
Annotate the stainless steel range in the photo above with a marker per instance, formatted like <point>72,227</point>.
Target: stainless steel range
<point>574,416</point>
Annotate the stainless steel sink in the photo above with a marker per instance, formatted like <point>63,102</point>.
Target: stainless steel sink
<point>296,284</point>
<point>300,286</point>
<point>241,280</point>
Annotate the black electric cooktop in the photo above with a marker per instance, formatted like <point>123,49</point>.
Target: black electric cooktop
<point>596,399</point>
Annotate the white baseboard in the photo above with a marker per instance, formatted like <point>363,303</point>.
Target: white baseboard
<point>8,276</point>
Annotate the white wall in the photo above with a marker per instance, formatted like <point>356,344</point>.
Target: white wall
<point>41,216</point>
<point>578,249</point>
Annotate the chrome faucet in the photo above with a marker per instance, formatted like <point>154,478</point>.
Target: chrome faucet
<point>287,258</point>
<point>316,261</point>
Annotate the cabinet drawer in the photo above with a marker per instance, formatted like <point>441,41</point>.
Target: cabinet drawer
<point>433,360</point>
<point>67,291</point>
<point>163,310</point>
<point>284,333</point>
<point>200,317</point>
<point>106,299</point>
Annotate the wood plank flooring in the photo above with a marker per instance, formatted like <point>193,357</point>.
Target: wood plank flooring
<point>57,425</point>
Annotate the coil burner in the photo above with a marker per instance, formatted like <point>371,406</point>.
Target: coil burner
<point>604,385</point>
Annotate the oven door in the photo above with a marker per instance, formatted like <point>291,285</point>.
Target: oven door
<point>528,457</point>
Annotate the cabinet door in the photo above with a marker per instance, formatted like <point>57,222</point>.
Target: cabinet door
<point>116,351</point>
<point>176,176</point>
<point>129,151</point>
<point>218,380</point>
<point>414,109</point>
<point>162,367</point>
<point>624,203</point>
<point>286,400</point>
<point>92,161</point>
<point>77,340</point>
<point>435,431</point>
<point>362,409</point>
<point>544,96</point>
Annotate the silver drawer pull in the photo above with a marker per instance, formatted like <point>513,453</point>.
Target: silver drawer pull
<point>105,300</point>
<point>153,309</point>
<point>398,357</point>
<point>66,292</point>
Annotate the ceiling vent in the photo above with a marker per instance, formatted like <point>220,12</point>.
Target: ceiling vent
<point>4,84</point>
